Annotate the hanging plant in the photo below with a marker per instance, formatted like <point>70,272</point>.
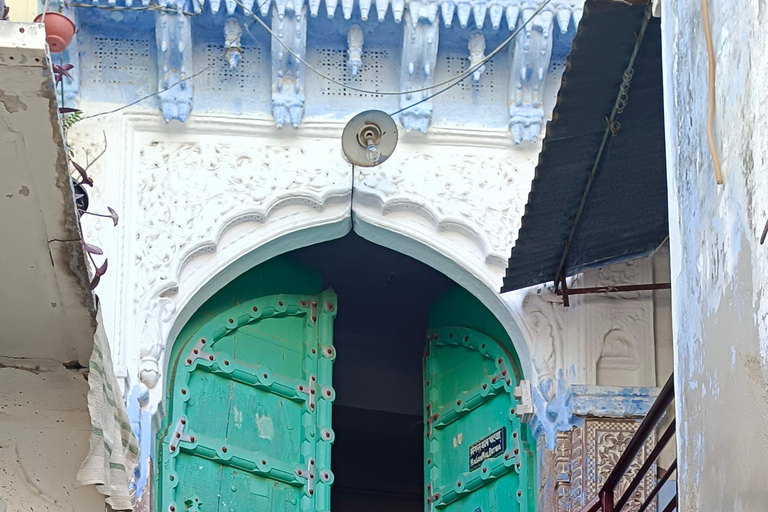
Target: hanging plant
<point>80,180</point>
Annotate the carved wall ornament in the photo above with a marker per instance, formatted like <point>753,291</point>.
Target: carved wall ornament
<point>417,70</point>
<point>530,56</point>
<point>155,314</point>
<point>480,196</point>
<point>575,467</point>
<point>174,54</point>
<point>232,34</point>
<point>543,317</point>
<point>604,442</point>
<point>288,72</point>
<point>476,54</point>
<point>355,41</point>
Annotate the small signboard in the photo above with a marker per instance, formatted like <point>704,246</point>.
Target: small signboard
<point>487,448</point>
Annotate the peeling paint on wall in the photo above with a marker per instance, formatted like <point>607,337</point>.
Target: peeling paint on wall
<point>719,270</point>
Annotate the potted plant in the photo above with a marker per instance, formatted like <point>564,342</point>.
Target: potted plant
<point>59,30</point>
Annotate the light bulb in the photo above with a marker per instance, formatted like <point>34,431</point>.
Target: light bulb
<point>373,152</point>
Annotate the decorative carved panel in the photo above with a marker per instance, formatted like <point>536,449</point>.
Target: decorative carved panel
<point>604,440</point>
<point>583,457</point>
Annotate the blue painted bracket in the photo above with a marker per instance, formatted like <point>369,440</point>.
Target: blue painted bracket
<point>417,68</point>
<point>288,73</point>
<point>232,35</point>
<point>566,406</point>
<point>174,63</point>
<point>529,57</point>
<point>141,424</point>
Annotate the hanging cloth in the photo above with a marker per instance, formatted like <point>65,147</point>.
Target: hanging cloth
<point>114,451</point>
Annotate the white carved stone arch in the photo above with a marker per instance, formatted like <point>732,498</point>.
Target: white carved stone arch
<point>203,202</point>
<point>197,287</point>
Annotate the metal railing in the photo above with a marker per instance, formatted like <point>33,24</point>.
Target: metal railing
<point>604,500</point>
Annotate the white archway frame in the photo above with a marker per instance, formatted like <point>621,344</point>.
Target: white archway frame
<point>233,265</point>
<point>205,201</point>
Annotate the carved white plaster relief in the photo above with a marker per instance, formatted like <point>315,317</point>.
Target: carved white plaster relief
<point>543,316</point>
<point>197,200</point>
<point>478,194</point>
<point>617,328</point>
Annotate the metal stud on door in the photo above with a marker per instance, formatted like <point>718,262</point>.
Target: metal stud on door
<point>477,453</point>
<point>250,423</point>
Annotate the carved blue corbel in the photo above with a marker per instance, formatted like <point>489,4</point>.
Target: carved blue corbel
<point>417,69</point>
<point>476,54</point>
<point>174,64</point>
<point>232,34</point>
<point>355,41</point>
<point>288,72</point>
<point>137,407</point>
<point>530,56</point>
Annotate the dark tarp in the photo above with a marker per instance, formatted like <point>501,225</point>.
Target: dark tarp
<point>626,212</point>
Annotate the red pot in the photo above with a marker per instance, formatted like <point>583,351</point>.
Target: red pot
<point>59,30</point>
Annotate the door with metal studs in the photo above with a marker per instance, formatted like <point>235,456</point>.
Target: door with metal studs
<point>249,427</point>
<point>477,454</point>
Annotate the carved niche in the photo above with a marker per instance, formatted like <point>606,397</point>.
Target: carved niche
<point>618,328</point>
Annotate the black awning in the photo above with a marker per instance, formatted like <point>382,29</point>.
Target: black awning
<point>625,215</point>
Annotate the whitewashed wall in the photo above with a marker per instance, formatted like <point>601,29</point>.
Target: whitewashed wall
<point>202,202</point>
<point>719,268</point>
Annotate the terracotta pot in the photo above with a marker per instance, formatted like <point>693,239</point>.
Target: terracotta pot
<point>59,30</point>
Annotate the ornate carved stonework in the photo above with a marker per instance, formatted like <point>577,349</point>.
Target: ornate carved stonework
<point>486,192</point>
<point>582,460</point>
<point>191,193</point>
<point>604,442</point>
<point>196,203</point>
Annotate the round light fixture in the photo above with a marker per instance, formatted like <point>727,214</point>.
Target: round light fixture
<point>369,138</point>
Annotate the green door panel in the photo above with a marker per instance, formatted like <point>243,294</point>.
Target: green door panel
<point>477,453</point>
<point>249,423</point>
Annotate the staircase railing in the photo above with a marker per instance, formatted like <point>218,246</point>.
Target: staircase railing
<point>604,500</point>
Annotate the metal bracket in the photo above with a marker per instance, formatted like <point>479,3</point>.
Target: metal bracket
<point>179,435</point>
<point>198,353</point>
<point>312,309</point>
<point>309,390</point>
<point>524,408</point>
<point>504,375</point>
<point>309,475</point>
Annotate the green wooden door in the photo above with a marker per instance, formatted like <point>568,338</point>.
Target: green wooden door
<point>250,422</point>
<point>477,453</point>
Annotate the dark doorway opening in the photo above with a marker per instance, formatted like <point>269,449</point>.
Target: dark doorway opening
<point>384,299</point>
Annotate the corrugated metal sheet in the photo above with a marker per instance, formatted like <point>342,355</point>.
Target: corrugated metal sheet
<point>626,212</point>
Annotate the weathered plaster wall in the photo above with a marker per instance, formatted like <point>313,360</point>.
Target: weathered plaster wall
<point>44,436</point>
<point>719,268</point>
